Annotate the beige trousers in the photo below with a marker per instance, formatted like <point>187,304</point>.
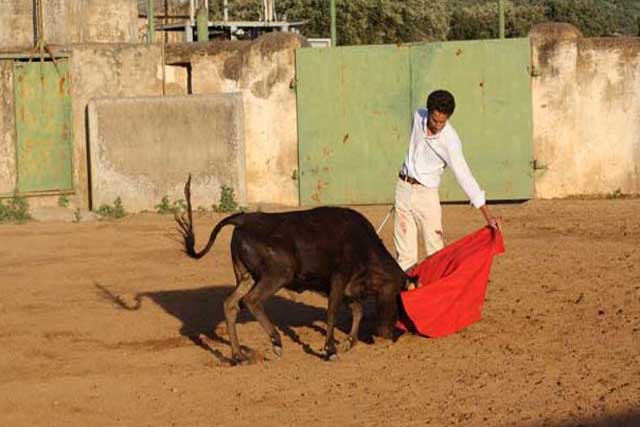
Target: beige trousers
<point>417,209</point>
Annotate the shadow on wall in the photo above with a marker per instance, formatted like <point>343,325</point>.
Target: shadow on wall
<point>628,419</point>
<point>201,312</point>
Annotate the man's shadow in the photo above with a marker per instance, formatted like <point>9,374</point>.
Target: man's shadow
<point>201,312</point>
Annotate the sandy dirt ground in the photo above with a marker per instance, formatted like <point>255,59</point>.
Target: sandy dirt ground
<point>108,323</point>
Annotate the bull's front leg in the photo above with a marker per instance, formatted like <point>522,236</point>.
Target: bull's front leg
<point>387,307</point>
<point>335,298</point>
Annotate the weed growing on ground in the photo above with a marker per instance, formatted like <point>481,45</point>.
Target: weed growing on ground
<point>15,209</point>
<point>227,200</point>
<point>616,194</point>
<point>63,201</point>
<point>112,212</point>
<point>76,215</point>
<point>167,207</point>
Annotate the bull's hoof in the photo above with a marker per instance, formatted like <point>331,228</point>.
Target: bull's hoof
<point>348,344</point>
<point>331,357</point>
<point>277,350</point>
<point>239,360</point>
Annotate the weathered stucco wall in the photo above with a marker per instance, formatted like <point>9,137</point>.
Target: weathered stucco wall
<point>143,149</point>
<point>264,71</point>
<point>586,111</point>
<point>107,71</point>
<point>68,22</point>
<point>7,130</point>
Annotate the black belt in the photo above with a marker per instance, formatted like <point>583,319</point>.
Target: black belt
<point>408,179</point>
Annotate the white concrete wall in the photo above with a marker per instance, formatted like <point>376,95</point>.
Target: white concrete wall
<point>106,71</point>
<point>264,72</point>
<point>143,149</point>
<point>586,113</point>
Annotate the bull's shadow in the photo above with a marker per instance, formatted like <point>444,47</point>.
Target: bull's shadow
<point>201,312</point>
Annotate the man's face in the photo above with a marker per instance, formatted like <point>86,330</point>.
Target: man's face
<point>436,121</point>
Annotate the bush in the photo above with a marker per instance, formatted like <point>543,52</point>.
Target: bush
<point>167,207</point>
<point>112,212</point>
<point>227,200</point>
<point>15,210</point>
<point>63,201</point>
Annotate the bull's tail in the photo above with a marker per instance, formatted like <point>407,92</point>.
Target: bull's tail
<point>185,225</point>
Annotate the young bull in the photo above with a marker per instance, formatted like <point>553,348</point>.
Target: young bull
<point>334,251</point>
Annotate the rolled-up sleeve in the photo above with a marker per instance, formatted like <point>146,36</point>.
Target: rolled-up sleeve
<point>462,172</point>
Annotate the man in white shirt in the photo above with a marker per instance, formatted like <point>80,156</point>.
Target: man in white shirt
<point>434,145</point>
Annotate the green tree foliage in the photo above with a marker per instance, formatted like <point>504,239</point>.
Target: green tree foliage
<point>479,20</point>
<point>627,13</point>
<point>410,21</point>
<point>472,19</point>
<point>360,21</point>
<point>395,21</point>
<point>593,17</point>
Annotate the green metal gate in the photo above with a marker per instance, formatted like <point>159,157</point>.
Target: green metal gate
<point>353,117</point>
<point>355,109</point>
<point>43,126</point>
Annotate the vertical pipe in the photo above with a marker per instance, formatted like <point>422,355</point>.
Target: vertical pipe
<point>202,23</point>
<point>225,10</point>
<point>269,12</point>
<point>501,18</point>
<point>332,12</point>
<point>151,27</point>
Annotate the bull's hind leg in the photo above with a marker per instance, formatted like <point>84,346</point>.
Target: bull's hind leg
<point>356,313</point>
<point>354,291</point>
<point>335,299</point>
<point>266,287</point>
<point>232,308</point>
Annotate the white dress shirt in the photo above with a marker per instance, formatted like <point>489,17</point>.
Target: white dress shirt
<point>425,160</point>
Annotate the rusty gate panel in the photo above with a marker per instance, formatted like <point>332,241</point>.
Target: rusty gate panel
<point>353,122</point>
<point>494,115</point>
<point>43,126</point>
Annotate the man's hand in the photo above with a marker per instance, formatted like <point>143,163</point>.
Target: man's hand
<point>492,221</point>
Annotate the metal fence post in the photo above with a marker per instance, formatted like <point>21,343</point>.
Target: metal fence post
<point>501,18</point>
<point>151,28</point>
<point>332,12</point>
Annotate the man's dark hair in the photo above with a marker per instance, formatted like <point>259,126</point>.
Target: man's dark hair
<point>441,100</point>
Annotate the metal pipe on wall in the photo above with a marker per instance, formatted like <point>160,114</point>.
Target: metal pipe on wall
<point>501,18</point>
<point>38,22</point>
<point>151,27</point>
<point>202,23</point>
<point>332,12</point>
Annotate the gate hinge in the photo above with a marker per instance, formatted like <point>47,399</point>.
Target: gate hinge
<point>536,165</point>
<point>534,71</point>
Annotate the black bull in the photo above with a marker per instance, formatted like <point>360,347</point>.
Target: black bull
<point>331,250</point>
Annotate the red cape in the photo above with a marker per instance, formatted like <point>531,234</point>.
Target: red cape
<point>453,282</point>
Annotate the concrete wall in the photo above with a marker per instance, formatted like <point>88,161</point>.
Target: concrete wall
<point>97,70</point>
<point>107,71</point>
<point>68,22</point>
<point>586,113</point>
<point>144,148</point>
<point>264,71</point>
